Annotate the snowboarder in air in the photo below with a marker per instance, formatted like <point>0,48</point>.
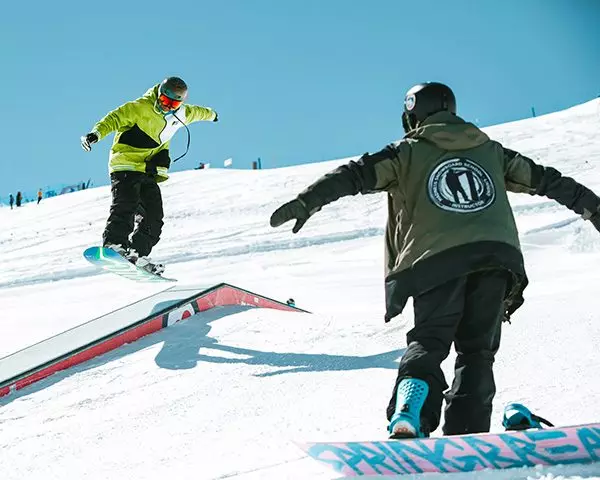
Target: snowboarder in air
<point>139,159</point>
<point>458,258</point>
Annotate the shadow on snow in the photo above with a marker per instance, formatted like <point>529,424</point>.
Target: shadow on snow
<point>183,341</point>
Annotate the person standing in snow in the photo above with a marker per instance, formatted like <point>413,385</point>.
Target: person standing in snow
<point>139,160</point>
<point>39,196</point>
<point>452,245</point>
<point>11,200</point>
<point>19,199</point>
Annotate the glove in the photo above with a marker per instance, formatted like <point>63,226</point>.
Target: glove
<point>594,216</point>
<point>216,119</point>
<point>294,210</point>
<point>88,140</point>
<point>595,220</point>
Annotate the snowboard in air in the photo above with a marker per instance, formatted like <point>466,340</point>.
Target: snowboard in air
<point>110,261</point>
<point>461,453</point>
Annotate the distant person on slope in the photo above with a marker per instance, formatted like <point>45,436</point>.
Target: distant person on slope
<point>139,160</point>
<point>40,195</point>
<point>11,200</point>
<point>451,244</point>
<point>19,199</point>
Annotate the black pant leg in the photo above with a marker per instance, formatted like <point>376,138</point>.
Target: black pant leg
<point>437,314</point>
<point>125,189</point>
<point>469,401</point>
<point>148,232</point>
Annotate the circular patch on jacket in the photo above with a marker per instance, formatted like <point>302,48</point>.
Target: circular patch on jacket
<point>409,102</point>
<point>460,185</point>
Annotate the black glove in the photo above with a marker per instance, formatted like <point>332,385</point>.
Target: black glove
<point>216,119</point>
<point>595,220</point>
<point>294,210</point>
<point>88,140</point>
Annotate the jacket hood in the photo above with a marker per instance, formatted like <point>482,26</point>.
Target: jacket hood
<point>449,132</point>
<point>152,93</point>
<point>152,96</point>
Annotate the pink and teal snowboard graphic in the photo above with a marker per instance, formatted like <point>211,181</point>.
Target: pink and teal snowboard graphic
<point>464,453</point>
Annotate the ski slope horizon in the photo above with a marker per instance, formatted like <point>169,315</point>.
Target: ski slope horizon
<point>226,393</point>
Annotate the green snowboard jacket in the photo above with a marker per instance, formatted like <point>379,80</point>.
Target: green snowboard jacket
<point>143,133</point>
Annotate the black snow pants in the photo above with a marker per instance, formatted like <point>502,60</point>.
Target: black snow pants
<point>467,311</point>
<point>133,192</point>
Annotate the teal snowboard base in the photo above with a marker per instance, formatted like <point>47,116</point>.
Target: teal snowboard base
<point>110,261</point>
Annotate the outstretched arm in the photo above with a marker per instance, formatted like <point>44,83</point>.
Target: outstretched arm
<point>369,174</point>
<point>111,122</point>
<point>114,120</point>
<point>196,113</point>
<point>523,175</point>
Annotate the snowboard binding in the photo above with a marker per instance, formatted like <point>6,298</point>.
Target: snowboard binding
<point>519,417</point>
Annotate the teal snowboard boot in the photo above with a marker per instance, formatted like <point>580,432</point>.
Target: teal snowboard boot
<point>406,421</point>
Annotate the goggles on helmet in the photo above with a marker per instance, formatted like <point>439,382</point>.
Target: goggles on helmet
<point>168,103</point>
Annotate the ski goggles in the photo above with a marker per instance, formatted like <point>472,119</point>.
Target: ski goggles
<point>518,417</point>
<point>168,103</point>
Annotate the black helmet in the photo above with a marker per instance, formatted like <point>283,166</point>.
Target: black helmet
<point>174,88</point>
<point>424,100</point>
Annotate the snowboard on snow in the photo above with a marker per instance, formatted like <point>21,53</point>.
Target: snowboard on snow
<point>110,261</point>
<point>461,453</point>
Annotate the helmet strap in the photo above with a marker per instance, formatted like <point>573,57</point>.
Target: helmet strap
<point>409,122</point>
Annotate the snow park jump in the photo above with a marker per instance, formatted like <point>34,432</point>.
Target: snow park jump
<point>120,327</point>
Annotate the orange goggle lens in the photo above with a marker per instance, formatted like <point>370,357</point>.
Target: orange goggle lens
<point>169,102</point>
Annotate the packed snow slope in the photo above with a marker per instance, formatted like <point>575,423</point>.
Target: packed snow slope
<point>225,394</point>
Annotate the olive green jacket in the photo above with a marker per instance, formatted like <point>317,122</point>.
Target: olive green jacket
<point>448,209</point>
<point>144,133</point>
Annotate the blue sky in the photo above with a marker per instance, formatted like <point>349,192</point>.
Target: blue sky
<point>293,81</point>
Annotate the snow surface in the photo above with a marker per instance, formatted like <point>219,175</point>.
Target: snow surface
<point>225,394</point>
